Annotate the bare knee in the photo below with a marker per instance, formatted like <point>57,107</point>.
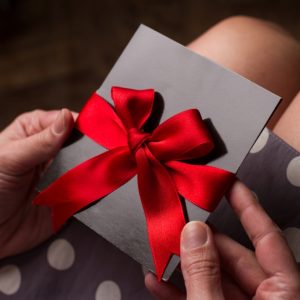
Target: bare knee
<point>288,126</point>
<point>246,25</point>
<point>239,38</point>
<point>258,50</point>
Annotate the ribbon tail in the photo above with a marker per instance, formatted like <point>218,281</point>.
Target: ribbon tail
<point>86,183</point>
<point>162,207</point>
<point>204,186</point>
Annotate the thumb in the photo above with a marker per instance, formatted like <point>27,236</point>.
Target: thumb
<point>42,146</point>
<point>200,263</point>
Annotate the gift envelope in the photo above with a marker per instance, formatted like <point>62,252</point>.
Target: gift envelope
<point>234,111</point>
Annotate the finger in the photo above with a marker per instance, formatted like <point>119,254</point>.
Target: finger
<point>200,262</point>
<point>272,251</point>
<point>31,123</point>
<point>162,290</point>
<point>240,263</point>
<point>231,290</point>
<point>23,155</point>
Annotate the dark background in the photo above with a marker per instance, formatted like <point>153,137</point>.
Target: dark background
<point>55,53</point>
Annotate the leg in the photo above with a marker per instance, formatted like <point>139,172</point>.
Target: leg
<point>288,126</point>
<point>258,50</point>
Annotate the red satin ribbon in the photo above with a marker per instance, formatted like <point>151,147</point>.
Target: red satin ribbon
<point>158,159</point>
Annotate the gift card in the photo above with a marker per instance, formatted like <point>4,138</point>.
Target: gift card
<point>234,109</point>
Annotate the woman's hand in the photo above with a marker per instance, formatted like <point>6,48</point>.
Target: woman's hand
<point>216,267</point>
<point>26,146</point>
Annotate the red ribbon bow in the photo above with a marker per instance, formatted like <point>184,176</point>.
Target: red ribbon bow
<point>157,158</point>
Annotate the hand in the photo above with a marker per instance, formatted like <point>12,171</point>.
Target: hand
<point>26,146</point>
<point>216,267</point>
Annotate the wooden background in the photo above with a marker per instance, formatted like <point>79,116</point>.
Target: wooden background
<point>55,53</point>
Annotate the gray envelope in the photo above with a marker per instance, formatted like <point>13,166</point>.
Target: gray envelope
<point>234,108</point>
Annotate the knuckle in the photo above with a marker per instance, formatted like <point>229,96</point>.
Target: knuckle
<point>202,268</point>
<point>22,118</point>
<point>29,121</point>
<point>281,286</point>
<point>46,140</point>
<point>36,111</point>
<point>29,114</point>
<point>271,231</point>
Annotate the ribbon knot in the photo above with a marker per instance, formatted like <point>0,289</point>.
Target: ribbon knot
<point>161,165</point>
<point>136,138</point>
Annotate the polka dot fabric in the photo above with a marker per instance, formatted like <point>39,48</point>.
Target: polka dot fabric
<point>60,255</point>
<point>261,141</point>
<point>74,264</point>
<point>78,264</point>
<point>272,171</point>
<point>10,279</point>
<point>293,171</point>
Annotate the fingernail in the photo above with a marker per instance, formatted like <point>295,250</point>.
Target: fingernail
<point>59,124</point>
<point>194,235</point>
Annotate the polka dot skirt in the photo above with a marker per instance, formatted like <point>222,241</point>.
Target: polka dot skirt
<point>78,264</point>
<point>74,264</point>
<point>272,171</point>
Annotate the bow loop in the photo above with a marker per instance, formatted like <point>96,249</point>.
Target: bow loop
<point>202,185</point>
<point>184,136</point>
<point>133,106</point>
<point>110,132</point>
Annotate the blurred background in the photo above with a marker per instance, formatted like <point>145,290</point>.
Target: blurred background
<point>54,54</point>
